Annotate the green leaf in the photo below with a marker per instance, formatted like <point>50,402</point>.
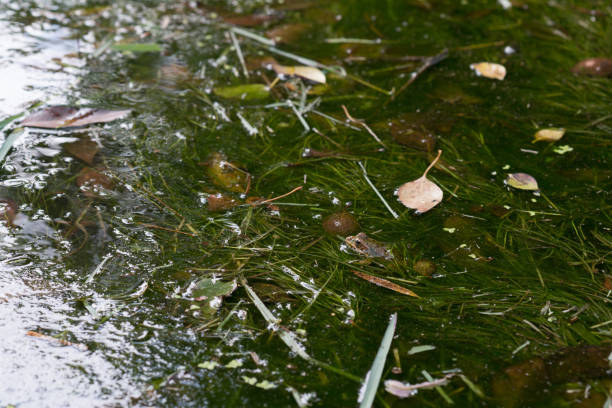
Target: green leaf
<point>8,142</point>
<point>8,120</point>
<point>137,47</point>
<point>420,349</point>
<point>245,92</point>
<point>373,379</point>
<point>208,288</point>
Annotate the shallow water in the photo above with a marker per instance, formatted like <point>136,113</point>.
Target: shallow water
<point>519,276</point>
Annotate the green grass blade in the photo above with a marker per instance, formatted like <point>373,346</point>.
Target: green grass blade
<point>8,120</point>
<point>8,142</point>
<point>378,365</point>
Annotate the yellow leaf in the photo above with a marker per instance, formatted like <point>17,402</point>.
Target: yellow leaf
<point>548,135</point>
<point>489,70</point>
<point>522,181</point>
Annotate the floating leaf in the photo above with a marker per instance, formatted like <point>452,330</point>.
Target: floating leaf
<point>421,194</point>
<point>220,202</point>
<point>385,284</point>
<point>600,67</point>
<point>137,47</point>
<point>563,149</point>
<point>548,135</point>
<point>55,117</point>
<point>91,182</point>
<point>8,210</point>
<point>310,73</point>
<point>245,92</point>
<point>522,181</point>
<point>489,70</point>
<point>208,288</point>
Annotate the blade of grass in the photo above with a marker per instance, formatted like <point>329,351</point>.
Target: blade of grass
<point>373,378</point>
<point>5,122</point>
<point>8,142</point>
<point>442,393</point>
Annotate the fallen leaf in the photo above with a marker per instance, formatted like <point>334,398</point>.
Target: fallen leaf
<point>288,33</point>
<point>310,73</point>
<point>226,174</point>
<point>245,92</point>
<point>548,135</point>
<point>489,70</point>
<point>522,181</point>
<point>8,210</point>
<point>55,117</point>
<point>220,202</point>
<point>82,149</point>
<point>600,67</point>
<point>91,181</point>
<point>208,288</point>
<point>405,390</point>
<point>420,349</point>
<point>421,194</point>
<point>385,284</point>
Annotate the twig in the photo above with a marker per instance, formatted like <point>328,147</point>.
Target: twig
<point>239,53</point>
<point>428,63</point>
<point>167,229</point>
<point>365,175</point>
<point>365,126</point>
<point>51,339</point>
<point>280,196</point>
<point>299,116</point>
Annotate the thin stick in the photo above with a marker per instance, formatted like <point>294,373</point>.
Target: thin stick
<point>281,196</point>
<point>429,62</point>
<point>433,163</point>
<point>365,126</point>
<point>299,116</point>
<point>239,53</point>
<point>365,175</point>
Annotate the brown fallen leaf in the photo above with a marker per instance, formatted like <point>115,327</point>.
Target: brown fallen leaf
<point>421,194</point>
<point>55,340</point>
<point>82,149</point>
<point>91,181</point>
<point>220,202</point>
<point>601,67</point>
<point>54,117</point>
<point>8,211</point>
<point>385,284</point>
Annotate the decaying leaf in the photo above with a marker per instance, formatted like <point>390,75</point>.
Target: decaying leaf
<point>385,284</point>
<point>220,202</point>
<point>207,288</point>
<point>55,117</point>
<point>489,70</point>
<point>8,210</point>
<point>82,149</point>
<point>522,181</point>
<point>548,135</point>
<point>288,33</point>
<point>600,67</point>
<point>310,73</point>
<point>245,92</point>
<point>92,182</point>
<point>226,174</point>
<point>421,194</point>
<point>405,390</point>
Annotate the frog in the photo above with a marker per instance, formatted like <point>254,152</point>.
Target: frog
<point>366,246</point>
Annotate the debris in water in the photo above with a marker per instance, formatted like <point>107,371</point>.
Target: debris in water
<point>489,70</point>
<point>421,194</point>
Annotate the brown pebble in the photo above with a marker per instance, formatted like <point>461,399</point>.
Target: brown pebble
<point>341,223</point>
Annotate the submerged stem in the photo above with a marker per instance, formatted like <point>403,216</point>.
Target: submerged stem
<point>433,163</point>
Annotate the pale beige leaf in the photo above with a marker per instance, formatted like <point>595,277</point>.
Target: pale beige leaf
<point>55,117</point>
<point>548,135</point>
<point>311,73</point>
<point>489,70</point>
<point>522,181</point>
<point>421,194</point>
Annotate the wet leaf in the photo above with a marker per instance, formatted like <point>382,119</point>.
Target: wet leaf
<point>220,202</point>
<point>245,92</point>
<point>8,210</point>
<point>137,47</point>
<point>420,349</point>
<point>522,181</point>
<point>82,149</point>
<point>225,174</point>
<point>489,70</point>
<point>548,135</point>
<point>55,117</point>
<point>288,33</point>
<point>310,73</point>
<point>405,390</point>
<point>91,182</point>
<point>385,284</point>
<point>601,67</point>
<point>208,288</point>
<point>421,194</point>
